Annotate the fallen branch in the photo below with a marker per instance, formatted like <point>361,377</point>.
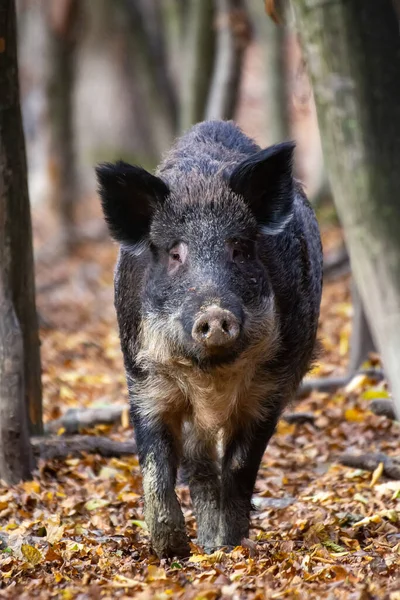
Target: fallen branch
<point>322,384</point>
<point>383,408</point>
<point>76,419</point>
<point>331,384</point>
<point>369,462</point>
<point>62,447</point>
<point>299,418</point>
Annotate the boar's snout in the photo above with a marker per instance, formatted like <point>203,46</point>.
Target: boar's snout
<point>216,328</point>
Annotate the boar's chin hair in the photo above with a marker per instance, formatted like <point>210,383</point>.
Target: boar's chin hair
<point>223,397</point>
<point>161,339</point>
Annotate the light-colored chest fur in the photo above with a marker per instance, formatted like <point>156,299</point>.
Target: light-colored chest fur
<point>222,398</point>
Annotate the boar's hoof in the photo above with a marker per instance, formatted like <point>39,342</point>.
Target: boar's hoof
<point>170,544</point>
<point>215,328</point>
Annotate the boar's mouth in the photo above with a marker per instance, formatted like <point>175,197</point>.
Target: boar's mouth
<point>215,358</point>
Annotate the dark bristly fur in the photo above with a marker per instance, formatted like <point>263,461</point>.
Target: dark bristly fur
<point>222,226</point>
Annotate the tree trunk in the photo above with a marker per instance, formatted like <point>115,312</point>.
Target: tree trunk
<point>145,56</point>
<point>62,17</point>
<point>17,255</point>
<point>15,449</point>
<point>155,31</point>
<point>174,13</point>
<point>197,61</point>
<point>232,38</point>
<point>353,49</point>
<point>273,39</point>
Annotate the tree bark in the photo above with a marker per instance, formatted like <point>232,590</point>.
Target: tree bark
<point>197,61</point>
<point>17,259</point>
<point>353,49</point>
<point>232,38</point>
<point>15,449</point>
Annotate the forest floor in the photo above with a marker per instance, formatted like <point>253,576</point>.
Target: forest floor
<point>319,530</point>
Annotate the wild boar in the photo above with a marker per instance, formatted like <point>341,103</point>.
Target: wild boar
<point>217,293</point>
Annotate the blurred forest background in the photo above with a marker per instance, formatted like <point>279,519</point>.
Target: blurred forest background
<point>122,78</point>
<point>102,80</point>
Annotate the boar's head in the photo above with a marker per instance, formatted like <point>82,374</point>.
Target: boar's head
<point>204,241</point>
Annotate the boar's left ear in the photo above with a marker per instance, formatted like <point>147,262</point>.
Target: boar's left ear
<point>129,196</point>
<point>265,181</point>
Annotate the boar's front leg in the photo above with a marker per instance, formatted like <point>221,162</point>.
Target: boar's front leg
<point>158,459</point>
<point>240,465</point>
<point>202,474</point>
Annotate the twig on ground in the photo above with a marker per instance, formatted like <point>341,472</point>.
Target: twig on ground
<point>369,462</point>
<point>299,418</point>
<point>383,408</point>
<point>77,418</point>
<point>62,447</point>
<point>331,384</point>
<point>323,384</point>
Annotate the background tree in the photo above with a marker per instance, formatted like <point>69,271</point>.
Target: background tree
<point>353,50</point>
<point>19,378</point>
<point>197,56</point>
<point>273,33</point>
<point>18,260</point>
<point>62,22</point>
<point>232,24</point>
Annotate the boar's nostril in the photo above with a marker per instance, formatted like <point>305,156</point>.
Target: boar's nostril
<point>215,328</point>
<point>204,328</point>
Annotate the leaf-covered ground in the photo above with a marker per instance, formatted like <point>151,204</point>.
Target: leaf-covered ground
<point>76,531</point>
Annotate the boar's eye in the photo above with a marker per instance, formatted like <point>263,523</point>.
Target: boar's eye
<point>177,257</point>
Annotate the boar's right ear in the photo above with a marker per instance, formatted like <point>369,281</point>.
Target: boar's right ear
<point>265,181</point>
<point>129,196</point>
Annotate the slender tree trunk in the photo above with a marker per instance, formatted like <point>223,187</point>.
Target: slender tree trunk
<point>232,38</point>
<point>197,61</point>
<point>144,53</point>
<point>155,30</point>
<point>174,19</point>
<point>16,458</point>
<point>62,17</point>
<point>17,257</point>
<point>353,49</point>
<point>273,39</point>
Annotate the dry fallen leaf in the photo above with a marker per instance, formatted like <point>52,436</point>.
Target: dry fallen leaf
<point>32,554</point>
<point>77,531</point>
